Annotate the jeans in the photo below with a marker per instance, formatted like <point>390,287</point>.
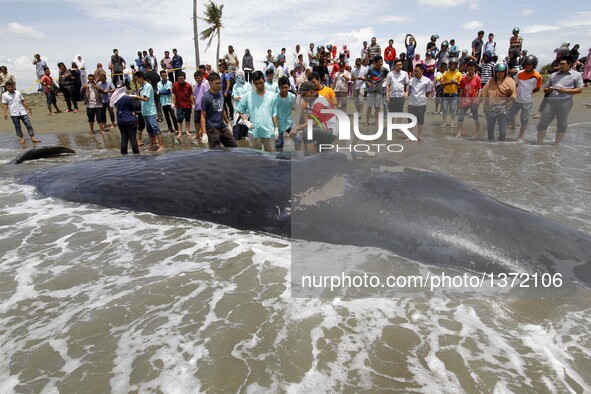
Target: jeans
<point>491,120</point>
<point>152,125</point>
<point>297,139</point>
<point>128,135</point>
<point>70,98</point>
<point>17,125</point>
<point>449,103</point>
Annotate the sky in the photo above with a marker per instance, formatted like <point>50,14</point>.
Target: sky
<point>60,30</point>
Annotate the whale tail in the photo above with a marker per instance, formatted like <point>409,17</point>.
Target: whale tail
<point>41,153</point>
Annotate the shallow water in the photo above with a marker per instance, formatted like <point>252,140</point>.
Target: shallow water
<point>97,300</point>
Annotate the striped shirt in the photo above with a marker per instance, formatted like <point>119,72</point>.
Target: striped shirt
<point>486,72</point>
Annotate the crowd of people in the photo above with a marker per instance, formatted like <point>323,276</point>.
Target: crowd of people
<point>236,100</point>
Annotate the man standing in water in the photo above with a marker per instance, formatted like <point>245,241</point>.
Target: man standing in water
<point>561,87</point>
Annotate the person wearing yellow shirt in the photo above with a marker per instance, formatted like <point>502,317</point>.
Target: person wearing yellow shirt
<point>450,81</point>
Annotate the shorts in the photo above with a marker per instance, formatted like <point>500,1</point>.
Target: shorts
<point>92,112</point>
<point>197,115</point>
<point>152,125</point>
<point>50,97</point>
<point>525,110</point>
<point>374,100</point>
<point>183,114</point>
<point>464,110</point>
<point>419,112</point>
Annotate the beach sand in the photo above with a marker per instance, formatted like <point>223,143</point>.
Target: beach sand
<point>71,129</point>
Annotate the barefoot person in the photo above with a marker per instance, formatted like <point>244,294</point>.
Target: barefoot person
<point>469,89</point>
<point>149,112</point>
<point>14,102</point>
<point>561,87</point>
<point>419,88</point>
<point>94,104</point>
<point>50,89</point>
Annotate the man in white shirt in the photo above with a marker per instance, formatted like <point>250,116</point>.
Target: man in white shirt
<point>14,102</point>
<point>396,87</point>
<point>419,88</point>
<point>358,78</point>
<point>232,59</point>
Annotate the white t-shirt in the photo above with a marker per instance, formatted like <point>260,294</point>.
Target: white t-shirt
<point>397,82</point>
<point>15,103</point>
<point>418,89</point>
<point>359,73</point>
<point>341,84</point>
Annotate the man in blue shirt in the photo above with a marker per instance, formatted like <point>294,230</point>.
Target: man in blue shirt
<point>177,63</point>
<point>214,120</point>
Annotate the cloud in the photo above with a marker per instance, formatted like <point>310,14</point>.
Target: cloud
<point>448,3</point>
<point>472,25</point>
<point>15,28</point>
<point>538,28</point>
<point>395,18</point>
<point>527,12</point>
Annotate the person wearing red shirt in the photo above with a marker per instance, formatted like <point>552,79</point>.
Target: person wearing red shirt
<point>390,54</point>
<point>469,89</point>
<point>183,100</point>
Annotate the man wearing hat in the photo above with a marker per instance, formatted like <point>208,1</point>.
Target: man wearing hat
<point>325,126</point>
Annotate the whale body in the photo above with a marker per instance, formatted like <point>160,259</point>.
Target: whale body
<point>334,198</point>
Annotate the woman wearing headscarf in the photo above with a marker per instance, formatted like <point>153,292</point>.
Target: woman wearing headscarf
<point>587,71</point>
<point>430,64</point>
<point>126,119</point>
<point>247,65</point>
<point>345,51</point>
<point>82,68</point>
<point>416,60</point>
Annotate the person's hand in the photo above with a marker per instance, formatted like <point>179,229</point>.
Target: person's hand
<point>5,116</point>
<point>248,124</point>
<point>276,131</point>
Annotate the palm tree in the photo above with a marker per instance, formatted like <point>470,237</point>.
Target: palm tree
<point>213,16</point>
<point>195,33</point>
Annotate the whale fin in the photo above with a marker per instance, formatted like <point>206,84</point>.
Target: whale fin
<point>41,153</point>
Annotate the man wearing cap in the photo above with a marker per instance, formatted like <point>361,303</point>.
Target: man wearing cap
<point>325,127</point>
